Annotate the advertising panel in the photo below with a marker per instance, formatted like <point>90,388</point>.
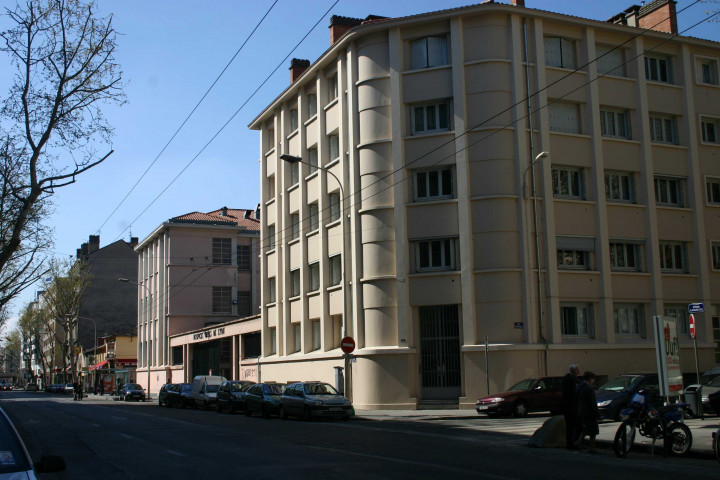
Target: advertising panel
<point>667,352</point>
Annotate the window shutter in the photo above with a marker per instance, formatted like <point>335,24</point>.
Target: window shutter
<point>418,56</point>
<point>567,48</point>
<point>437,51</point>
<point>552,52</point>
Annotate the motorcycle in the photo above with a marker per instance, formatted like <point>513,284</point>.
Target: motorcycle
<point>664,423</point>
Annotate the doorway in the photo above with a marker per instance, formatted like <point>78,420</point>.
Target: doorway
<point>440,352</point>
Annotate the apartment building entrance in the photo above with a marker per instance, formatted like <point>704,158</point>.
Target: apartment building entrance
<point>440,352</point>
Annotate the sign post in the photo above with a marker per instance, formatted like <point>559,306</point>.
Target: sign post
<point>667,351</point>
<point>347,345</point>
<point>695,308</point>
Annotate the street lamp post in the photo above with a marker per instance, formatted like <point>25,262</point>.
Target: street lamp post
<point>344,277</point>
<point>147,334</point>
<point>531,167</point>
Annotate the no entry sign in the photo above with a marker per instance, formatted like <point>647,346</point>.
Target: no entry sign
<point>692,326</point>
<point>347,344</point>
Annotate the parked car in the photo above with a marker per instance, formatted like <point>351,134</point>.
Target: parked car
<point>314,399</point>
<point>5,386</point>
<point>132,391</point>
<point>710,382</point>
<point>231,395</point>
<point>714,401</point>
<point>68,389</point>
<point>616,394</point>
<point>204,390</point>
<point>162,395</point>
<point>529,395</point>
<point>16,462</point>
<point>32,387</point>
<point>264,398</point>
<point>180,395</point>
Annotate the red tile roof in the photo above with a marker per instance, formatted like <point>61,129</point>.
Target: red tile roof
<point>233,216</point>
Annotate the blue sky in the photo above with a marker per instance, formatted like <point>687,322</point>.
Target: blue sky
<point>170,53</point>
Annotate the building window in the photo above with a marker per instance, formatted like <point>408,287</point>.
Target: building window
<point>625,256</point>
<point>680,314</point>
<point>295,283</point>
<point>610,60</point>
<point>293,119</point>
<point>713,190</point>
<point>271,187</point>
<point>559,52</point>
<point>658,69</point>
<point>710,128</point>
<point>629,319</point>
<point>433,184</point>
<point>244,304</point>
<point>334,147</point>
<point>314,276</point>
<point>334,206</point>
<point>335,270</point>
<point>573,259</point>
<point>429,118</point>
<point>715,252</point>
<point>332,83</point>
<point>251,345</point>
<point>273,340</point>
<point>221,248</point>
<point>297,337</point>
<point>313,159</point>
<point>564,117</point>
<point>670,191</point>
<point>428,52</point>
<point>314,216</point>
<point>663,129</point>
<point>672,257</point>
<point>271,237</point>
<point>271,290</point>
<point>708,71</point>
<point>568,182</point>
<point>577,320</point>
<point>243,257</point>
<point>177,355</point>
<point>294,226</point>
<point>316,334</point>
<point>222,300</point>
<point>435,255</point>
<point>620,187</point>
<point>294,173</point>
<point>311,105</point>
<point>615,124</point>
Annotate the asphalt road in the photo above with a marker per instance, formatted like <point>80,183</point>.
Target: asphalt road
<point>117,440</point>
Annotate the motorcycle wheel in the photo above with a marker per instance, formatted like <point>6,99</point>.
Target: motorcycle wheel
<point>681,438</point>
<point>716,445</point>
<point>624,439</point>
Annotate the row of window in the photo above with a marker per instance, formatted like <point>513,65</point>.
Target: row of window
<point>335,278</point>
<point>221,253</point>
<point>577,319</point>
<point>222,301</point>
<point>627,256</point>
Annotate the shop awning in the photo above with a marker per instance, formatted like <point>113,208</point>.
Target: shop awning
<point>99,365</point>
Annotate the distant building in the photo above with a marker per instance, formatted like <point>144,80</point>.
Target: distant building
<point>196,272</point>
<point>424,122</point>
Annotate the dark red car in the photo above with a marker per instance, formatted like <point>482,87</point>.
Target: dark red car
<point>529,395</point>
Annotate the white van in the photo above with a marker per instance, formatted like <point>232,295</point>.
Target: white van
<point>204,390</point>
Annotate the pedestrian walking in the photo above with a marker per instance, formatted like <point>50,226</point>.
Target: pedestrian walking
<point>587,411</point>
<point>569,386</point>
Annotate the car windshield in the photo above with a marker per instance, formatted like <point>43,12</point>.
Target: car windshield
<point>522,386</point>
<point>13,456</point>
<point>715,382</point>
<point>132,386</point>
<point>625,382</point>
<point>319,389</point>
<point>186,387</point>
<point>212,388</point>
<point>272,389</point>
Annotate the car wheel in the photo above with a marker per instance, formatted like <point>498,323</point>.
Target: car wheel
<point>283,413</point>
<point>159,403</point>
<point>520,409</point>
<point>167,404</point>
<point>306,413</point>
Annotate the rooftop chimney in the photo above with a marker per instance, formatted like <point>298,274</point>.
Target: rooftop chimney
<point>257,212</point>
<point>247,214</point>
<point>339,25</point>
<point>133,241</point>
<point>659,15</point>
<point>517,3</point>
<point>223,212</point>
<point>297,68</point>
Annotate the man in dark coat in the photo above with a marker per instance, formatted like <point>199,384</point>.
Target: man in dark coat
<point>587,411</point>
<point>569,384</point>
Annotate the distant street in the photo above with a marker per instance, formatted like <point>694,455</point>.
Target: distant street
<point>117,440</point>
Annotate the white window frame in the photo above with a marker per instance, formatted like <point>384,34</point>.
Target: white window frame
<point>625,256</point>
<point>295,283</point>
<point>710,130</point>
<point>680,314</point>
<point>629,319</point>
<point>272,290</point>
<point>715,255</point>
<point>575,182</point>
<point>615,124</point>
<point>333,87</point>
<point>574,259</point>
<point>712,190</point>
<point>294,173</point>
<point>316,338</point>
<point>297,337</point>
<point>673,257</point>
<point>314,271</point>
<point>434,184</point>
<point>294,226</point>
<point>436,254</point>
<point>428,52</point>
<point>663,129</point>
<point>334,202</point>
<point>707,71</point>
<point>431,117</point>
<point>620,187</point>
<point>335,265</point>
<point>313,160</point>
<point>581,321</point>
<point>658,68</point>
<point>610,60</point>
<point>560,52</point>
<point>271,237</point>
<point>312,105</point>
<point>564,117</point>
<point>333,147</point>
<point>294,119</point>
<point>669,191</point>
<point>314,216</point>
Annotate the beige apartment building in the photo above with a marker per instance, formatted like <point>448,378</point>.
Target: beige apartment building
<point>426,197</point>
<point>196,272</point>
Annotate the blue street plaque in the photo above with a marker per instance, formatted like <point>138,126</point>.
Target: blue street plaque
<point>696,307</point>
<point>518,324</point>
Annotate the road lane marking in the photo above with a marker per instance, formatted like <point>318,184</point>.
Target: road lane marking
<point>130,437</point>
<point>175,453</point>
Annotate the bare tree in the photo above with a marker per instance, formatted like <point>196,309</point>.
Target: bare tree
<point>51,123</point>
<point>35,330</point>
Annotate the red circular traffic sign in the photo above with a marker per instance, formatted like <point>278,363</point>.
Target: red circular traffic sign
<point>347,344</point>
<point>692,326</point>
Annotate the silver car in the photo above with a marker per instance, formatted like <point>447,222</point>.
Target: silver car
<point>314,399</point>
<point>15,461</point>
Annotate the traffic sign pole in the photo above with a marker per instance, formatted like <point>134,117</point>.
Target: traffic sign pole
<point>693,335</point>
